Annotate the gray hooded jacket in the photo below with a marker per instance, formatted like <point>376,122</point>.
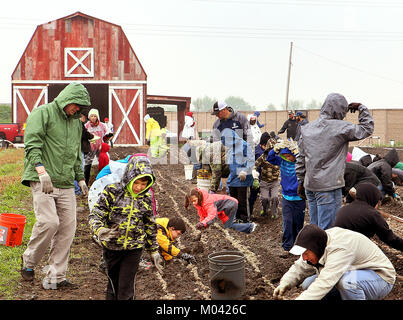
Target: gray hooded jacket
<point>323,144</point>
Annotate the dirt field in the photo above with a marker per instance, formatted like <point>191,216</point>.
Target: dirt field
<point>265,261</point>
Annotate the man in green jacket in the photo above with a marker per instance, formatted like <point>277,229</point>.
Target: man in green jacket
<point>52,162</point>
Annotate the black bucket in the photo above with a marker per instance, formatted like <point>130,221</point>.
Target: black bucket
<point>227,275</point>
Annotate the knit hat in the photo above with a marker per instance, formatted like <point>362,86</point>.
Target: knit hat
<point>93,112</point>
<point>310,237</point>
<point>264,137</point>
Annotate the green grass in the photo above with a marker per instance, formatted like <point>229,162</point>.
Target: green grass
<point>15,198</point>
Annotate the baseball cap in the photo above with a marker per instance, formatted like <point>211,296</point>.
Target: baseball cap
<point>310,237</point>
<point>299,113</point>
<point>218,106</point>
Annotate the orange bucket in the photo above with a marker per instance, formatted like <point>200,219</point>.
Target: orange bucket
<point>11,229</point>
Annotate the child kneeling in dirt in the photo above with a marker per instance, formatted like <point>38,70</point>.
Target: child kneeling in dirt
<point>168,231</point>
<point>124,223</point>
<point>293,206</point>
<point>210,206</point>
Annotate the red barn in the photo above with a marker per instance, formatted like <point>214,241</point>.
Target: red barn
<point>95,53</point>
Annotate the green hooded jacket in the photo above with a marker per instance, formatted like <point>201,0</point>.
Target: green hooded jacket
<point>132,214</point>
<point>54,139</point>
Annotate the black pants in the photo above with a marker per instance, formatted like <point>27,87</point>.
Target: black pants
<point>242,195</point>
<point>121,268</point>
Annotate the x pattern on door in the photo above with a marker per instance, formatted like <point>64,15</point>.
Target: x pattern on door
<point>125,114</point>
<point>88,57</point>
<point>18,96</point>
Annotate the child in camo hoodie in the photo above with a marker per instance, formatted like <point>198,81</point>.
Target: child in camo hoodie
<point>124,223</point>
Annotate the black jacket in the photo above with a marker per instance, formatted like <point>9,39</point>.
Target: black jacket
<point>354,174</point>
<point>85,144</point>
<point>291,126</point>
<point>359,216</point>
<point>383,170</point>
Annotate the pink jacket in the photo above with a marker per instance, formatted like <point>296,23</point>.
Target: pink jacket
<point>215,205</point>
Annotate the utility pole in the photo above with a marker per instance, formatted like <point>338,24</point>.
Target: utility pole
<point>288,80</point>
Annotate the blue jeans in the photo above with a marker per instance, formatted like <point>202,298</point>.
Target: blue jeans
<point>242,227</point>
<point>358,285</point>
<point>323,206</point>
<point>293,220</point>
<point>77,189</point>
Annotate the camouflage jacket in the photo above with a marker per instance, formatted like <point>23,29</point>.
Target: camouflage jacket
<point>133,213</point>
<point>269,172</point>
<point>213,158</point>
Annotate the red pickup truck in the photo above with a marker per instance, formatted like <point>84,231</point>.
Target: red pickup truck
<point>13,132</point>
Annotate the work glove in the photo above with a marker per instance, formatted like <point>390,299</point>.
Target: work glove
<point>200,226</point>
<point>301,190</point>
<point>107,234</point>
<point>46,182</point>
<point>187,257</point>
<point>353,107</point>
<point>397,198</point>
<point>83,187</point>
<point>352,192</point>
<point>280,290</point>
<point>270,144</point>
<point>242,175</point>
<point>255,184</point>
<point>293,146</point>
<point>278,146</point>
<point>156,258</point>
<point>255,174</point>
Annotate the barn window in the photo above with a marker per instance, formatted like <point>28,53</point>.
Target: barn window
<point>79,62</point>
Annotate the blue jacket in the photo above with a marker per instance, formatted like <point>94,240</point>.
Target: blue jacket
<point>240,157</point>
<point>289,181</point>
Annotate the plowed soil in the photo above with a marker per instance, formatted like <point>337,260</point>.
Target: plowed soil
<point>265,261</point>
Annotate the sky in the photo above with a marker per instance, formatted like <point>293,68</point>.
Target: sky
<point>221,48</point>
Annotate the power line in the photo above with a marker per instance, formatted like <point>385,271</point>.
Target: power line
<point>348,66</point>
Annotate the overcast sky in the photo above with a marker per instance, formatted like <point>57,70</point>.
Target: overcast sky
<point>222,48</point>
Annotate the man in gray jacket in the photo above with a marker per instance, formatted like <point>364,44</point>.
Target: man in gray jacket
<point>323,146</point>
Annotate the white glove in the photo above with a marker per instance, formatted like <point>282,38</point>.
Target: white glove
<point>352,192</point>
<point>46,182</point>
<point>255,174</point>
<point>107,234</point>
<point>156,258</point>
<point>278,146</point>
<point>280,290</point>
<point>83,187</point>
<point>242,176</point>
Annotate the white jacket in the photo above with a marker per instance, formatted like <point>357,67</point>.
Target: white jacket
<point>188,129</point>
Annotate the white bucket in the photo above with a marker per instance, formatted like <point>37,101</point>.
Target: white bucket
<point>188,171</point>
<point>203,183</point>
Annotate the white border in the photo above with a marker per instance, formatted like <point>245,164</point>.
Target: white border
<point>17,94</point>
<point>80,81</point>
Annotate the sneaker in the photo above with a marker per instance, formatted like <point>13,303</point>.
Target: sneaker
<point>65,284</point>
<point>253,227</point>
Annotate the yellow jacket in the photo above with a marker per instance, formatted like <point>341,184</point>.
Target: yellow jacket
<point>165,239</point>
<point>152,129</point>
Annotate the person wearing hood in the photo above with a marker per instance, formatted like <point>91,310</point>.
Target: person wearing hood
<point>189,127</point>
<point>51,164</point>
<point>103,156</point>
<point>362,216</point>
<point>228,118</point>
<point>355,174</point>
<point>99,130</point>
<point>123,221</point>
<point>383,170</point>
<point>301,120</point>
<point>153,135</point>
<point>241,160</point>
<point>293,206</point>
<point>323,146</point>
<point>255,130</point>
<point>337,259</point>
